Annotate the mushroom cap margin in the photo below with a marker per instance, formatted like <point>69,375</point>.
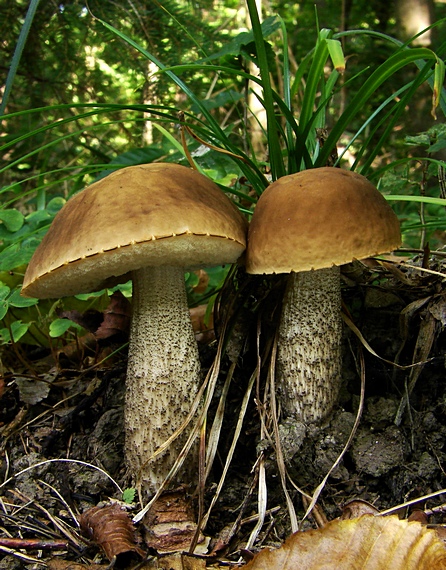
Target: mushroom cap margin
<point>318,218</point>
<point>160,213</point>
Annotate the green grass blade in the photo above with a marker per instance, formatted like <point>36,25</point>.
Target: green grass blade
<point>157,110</point>
<point>219,136</point>
<point>393,64</point>
<point>390,120</point>
<point>315,74</point>
<point>378,173</point>
<point>18,53</point>
<point>421,199</point>
<point>179,82</point>
<point>276,158</point>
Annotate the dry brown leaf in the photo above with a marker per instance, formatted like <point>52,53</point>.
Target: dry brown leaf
<point>357,508</point>
<point>441,532</point>
<point>59,564</point>
<point>170,524</point>
<point>117,317</point>
<point>202,324</point>
<point>366,543</point>
<point>418,515</point>
<point>111,528</point>
<point>166,562</point>
<point>2,386</point>
<point>88,320</point>
<point>203,281</point>
<point>176,561</point>
<point>86,344</point>
<point>437,309</point>
<point>32,391</point>
<point>181,562</point>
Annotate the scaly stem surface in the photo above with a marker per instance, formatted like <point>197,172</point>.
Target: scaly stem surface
<point>309,345</point>
<point>163,374</point>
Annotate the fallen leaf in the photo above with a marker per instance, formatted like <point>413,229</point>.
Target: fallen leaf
<point>438,309</point>
<point>58,564</point>
<point>88,320</point>
<point>117,317</point>
<point>32,390</point>
<point>203,281</point>
<point>202,324</point>
<point>170,524</point>
<point>180,561</point>
<point>77,349</point>
<point>357,508</point>
<point>111,528</point>
<point>365,543</point>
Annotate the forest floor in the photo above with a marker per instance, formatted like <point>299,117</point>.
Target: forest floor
<point>74,414</point>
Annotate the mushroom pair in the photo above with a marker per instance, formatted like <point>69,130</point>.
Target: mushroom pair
<point>152,222</point>
<point>307,225</point>
<point>148,223</point>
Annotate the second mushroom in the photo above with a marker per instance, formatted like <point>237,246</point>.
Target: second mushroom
<point>308,224</point>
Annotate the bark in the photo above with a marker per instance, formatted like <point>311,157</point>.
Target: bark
<point>257,115</point>
<point>309,345</point>
<point>413,16</point>
<point>163,374</point>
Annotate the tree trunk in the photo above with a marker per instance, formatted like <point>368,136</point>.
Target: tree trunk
<point>413,16</point>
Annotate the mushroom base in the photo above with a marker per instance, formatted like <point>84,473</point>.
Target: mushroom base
<point>309,345</point>
<point>162,377</point>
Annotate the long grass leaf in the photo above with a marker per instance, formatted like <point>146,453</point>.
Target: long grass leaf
<point>390,120</point>
<point>98,110</point>
<point>393,64</point>
<point>421,199</point>
<point>248,167</point>
<point>315,73</point>
<point>275,153</point>
<point>18,53</point>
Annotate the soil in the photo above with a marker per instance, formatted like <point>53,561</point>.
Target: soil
<point>397,452</point>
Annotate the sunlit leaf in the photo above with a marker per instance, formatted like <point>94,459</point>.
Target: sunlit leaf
<point>16,300</point>
<point>365,543</point>
<point>18,329</point>
<point>12,219</point>
<point>234,47</point>
<point>336,54</point>
<point>59,327</point>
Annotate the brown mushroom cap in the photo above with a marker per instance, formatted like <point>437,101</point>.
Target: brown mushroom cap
<point>319,218</point>
<point>152,214</point>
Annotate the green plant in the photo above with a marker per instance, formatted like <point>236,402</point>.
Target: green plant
<point>209,128</point>
<point>416,186</point>
<point>303,102</point>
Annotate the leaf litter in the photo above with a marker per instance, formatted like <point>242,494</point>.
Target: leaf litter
<point>74,411</point>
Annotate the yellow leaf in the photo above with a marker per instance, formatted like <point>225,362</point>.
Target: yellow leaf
<point>364,543</point>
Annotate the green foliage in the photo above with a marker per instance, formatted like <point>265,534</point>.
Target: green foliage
<point>14,332</point>
<point>129,494</point>
<point>414,186</point>
<point>10,300</point>
<point>59,327</point>
<point>21,234</point>
<point>128,74</point>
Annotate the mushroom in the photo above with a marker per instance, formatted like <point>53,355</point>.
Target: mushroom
<point>308,224</point>
<point>150,223</point>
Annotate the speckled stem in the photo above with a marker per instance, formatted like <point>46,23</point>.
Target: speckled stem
<point>163,374</point>
<point>309,345</point>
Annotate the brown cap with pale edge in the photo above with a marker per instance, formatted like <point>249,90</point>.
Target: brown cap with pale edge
<point>152,214</point>
<point>318,218</point>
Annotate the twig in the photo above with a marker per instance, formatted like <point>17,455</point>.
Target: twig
<point>33,544</point>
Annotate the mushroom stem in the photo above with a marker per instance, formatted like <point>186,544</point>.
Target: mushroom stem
<point>309,345</point>
<point>163,372</point>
